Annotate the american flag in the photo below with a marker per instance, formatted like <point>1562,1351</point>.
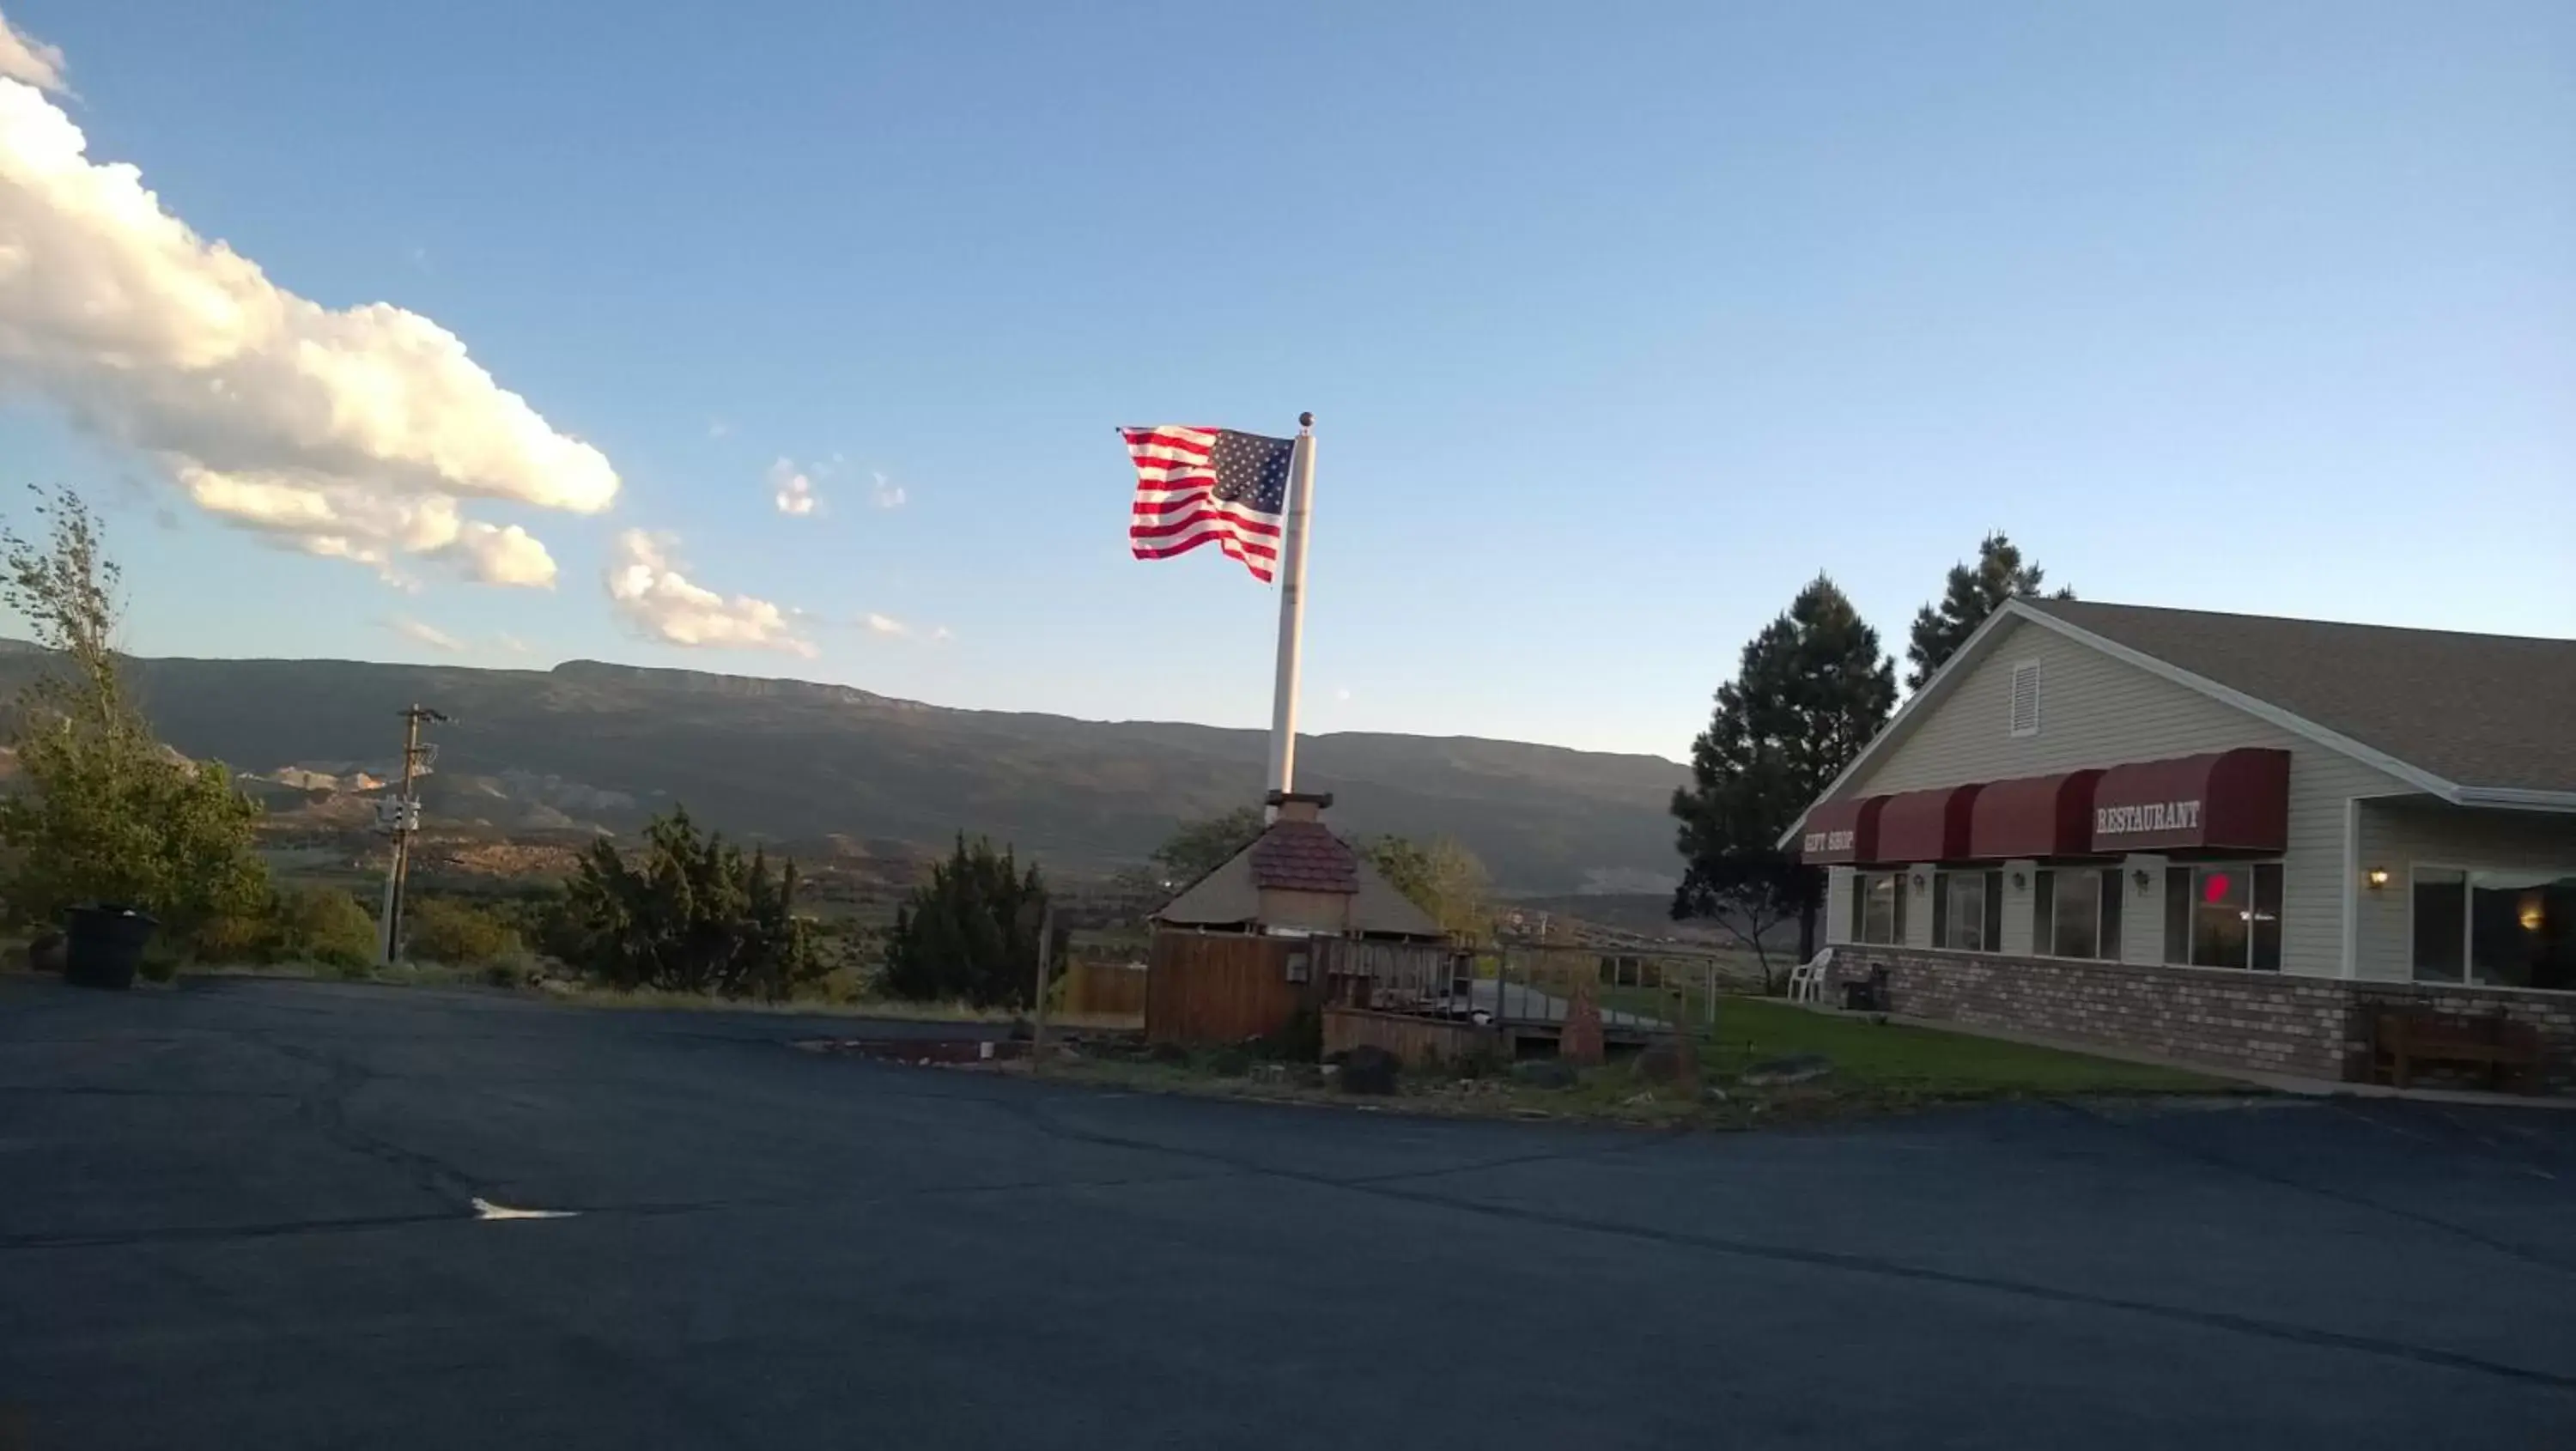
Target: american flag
<point>1197,486</point>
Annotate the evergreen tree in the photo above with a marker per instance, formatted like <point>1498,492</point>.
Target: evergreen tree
<point>1972,594</point>
<point>1810,691</point>
<point>688,914</point>
<point>970,933</point>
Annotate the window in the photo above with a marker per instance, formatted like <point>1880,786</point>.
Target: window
<point>2500,928</point>
<point>2076,912</point>
<point>1968,911</point>
<point>1878,907</point>
<point>2025,699</point>
<point>2224,914</point>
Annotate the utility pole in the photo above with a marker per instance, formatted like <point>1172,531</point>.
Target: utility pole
<point>1037,1016</point>
<point>405,821</point>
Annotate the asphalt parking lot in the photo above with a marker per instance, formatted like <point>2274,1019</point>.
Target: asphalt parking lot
<point>244,1214</point>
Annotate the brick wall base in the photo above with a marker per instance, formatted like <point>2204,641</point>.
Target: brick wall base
<point>2305,1027</point>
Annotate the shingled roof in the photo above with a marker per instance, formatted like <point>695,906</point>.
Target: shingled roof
<point>2494,712</point>
<point>1304,856</point>
<point>1298,856</point>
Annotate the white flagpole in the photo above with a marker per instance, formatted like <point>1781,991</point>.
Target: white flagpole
<point>1292,610</point>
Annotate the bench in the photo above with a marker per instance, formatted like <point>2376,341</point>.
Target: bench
<point>2402,1038</point>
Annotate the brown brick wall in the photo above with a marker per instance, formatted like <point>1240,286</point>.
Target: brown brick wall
<point>2302,1026</point>
<point>2553,1014</point>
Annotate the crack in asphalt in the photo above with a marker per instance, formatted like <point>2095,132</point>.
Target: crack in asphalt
<point>2279,1330</point>
<point>325,1107</point>
<point>2346,1198</point>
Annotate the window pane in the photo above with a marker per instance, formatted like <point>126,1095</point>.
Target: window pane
<point>2218,909</point>
<point>2518,928</point>
<point>2441,907</point>
<point>1897,894</point>
<point>1994,929</point>
<point>2111,894</point>
<point>1959,922</point>
<point>2177,914</point>
<point>2267,917</point>
<point>1882,911</point>
<point>2075,912</point>
<point>2043,906</point>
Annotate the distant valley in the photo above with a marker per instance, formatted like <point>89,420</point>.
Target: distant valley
<point>596,747</point>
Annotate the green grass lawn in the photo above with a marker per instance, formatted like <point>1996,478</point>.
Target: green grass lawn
<point>1922,1062</point>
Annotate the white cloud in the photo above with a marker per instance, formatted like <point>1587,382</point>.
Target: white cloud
<point>511,644</point>
<point>718,428</point>
<point>350,521</point>
<point>354,433</point>
<point>38,64</point>
<point>646,588</point>
<point>884,624</point>
<point>424,634</point>
<point>792,489</point>
<point>887,495</point>
<point>1341,692</point>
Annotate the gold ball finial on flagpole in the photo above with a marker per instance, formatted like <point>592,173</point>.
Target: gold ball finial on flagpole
<point>1305,420</point>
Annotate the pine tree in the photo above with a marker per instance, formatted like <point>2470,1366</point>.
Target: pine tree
<point>970,933</point>
<point>1810,691</point>
<point>1971,595</point>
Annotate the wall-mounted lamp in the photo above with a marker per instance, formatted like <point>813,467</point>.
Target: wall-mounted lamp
<point>1918,881</point>
<point>2020,881</point>
<point>2141,878</point>
<point>2378,878</point>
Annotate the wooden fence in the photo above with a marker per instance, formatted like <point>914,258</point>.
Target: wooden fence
<point>1103,989</point>
<point>1223,987</point>
<point>1414,1039</point>
<point>1213,987</point>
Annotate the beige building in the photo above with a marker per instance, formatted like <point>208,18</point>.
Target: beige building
<point>2095,817</point>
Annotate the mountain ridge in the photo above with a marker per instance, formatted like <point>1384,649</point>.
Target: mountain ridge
<point>785,758</point>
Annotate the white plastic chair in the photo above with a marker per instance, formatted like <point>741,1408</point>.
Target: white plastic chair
<point>1807,981</point>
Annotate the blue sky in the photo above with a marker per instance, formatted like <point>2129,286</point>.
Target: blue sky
<point>1620,322</point>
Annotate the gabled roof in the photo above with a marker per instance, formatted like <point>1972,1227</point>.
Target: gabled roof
<point>1302,856</point>
<point>2478,720</point>
<point>2480,712</point>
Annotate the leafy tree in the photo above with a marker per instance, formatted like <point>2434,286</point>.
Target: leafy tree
<point>1443,879</point>
<point>1810,691</point>
<point>1972,594</point>
<point>970,933</point>
<point>106,813</point>
<point>688,914</point>
<point>1200,847</point>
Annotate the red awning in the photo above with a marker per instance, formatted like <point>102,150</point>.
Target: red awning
<point>2228,801</point>
<point>2034,816</point>
<point>1841,831</point>
<point>1926,826</point>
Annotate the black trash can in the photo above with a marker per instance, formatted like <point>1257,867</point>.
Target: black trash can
<point>104,944</point>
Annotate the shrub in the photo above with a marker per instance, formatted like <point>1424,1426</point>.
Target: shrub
<point>444,929</point>
<point>318,924</point>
